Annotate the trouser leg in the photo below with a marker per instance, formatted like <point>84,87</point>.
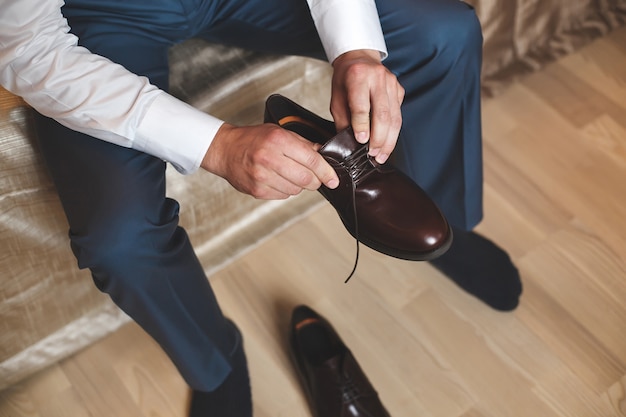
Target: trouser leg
<point>435,49</point>
<point>122,226</point>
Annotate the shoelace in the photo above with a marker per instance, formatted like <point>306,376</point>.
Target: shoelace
<point>356,234</point>
<point>355,165</point>
<point>349,390</point>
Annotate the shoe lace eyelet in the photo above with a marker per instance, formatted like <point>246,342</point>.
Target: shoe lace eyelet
<point>357,163</point>
<point>348,389</point>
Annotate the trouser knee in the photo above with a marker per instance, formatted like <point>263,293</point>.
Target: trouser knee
<point>460,33</point>
<point>125,251</point>
<point>457,39</point>
<point>435,34</point>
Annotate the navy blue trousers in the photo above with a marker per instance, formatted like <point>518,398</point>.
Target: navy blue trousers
<point>124,228</point>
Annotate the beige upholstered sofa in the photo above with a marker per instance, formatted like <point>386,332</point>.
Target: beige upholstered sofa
<point>49,309</point>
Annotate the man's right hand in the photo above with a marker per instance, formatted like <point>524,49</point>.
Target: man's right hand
<point>267,162</point>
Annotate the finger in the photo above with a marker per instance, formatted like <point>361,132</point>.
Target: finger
<point>380,122</point>
<point>268,184</point>
<point>400,94</point>
<point>269,193</point>
<point>308,158</point>
<point>388,146</point>
<point>386,121</point>
<point>339,111</point>
<point>298,175</point>
<point>359,105</point>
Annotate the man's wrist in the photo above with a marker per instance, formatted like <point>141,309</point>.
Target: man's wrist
<point>213,159</point>
<point>358,54</point>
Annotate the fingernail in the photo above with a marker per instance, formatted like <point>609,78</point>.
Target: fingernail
<point>381,158</point>
<point>333,183</point>
<point>361,137</point>
<point>373,152</point>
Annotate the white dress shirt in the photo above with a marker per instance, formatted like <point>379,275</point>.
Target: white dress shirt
<point>41,62</point>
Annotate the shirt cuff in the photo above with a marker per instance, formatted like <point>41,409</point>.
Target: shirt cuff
<point>348,25</point>
<point>176,132</point>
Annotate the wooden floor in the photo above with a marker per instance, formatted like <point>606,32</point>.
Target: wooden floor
<point>555,166</point>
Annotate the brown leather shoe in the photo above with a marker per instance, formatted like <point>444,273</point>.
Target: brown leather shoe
<point>378,204</point>
<point>334,383</point>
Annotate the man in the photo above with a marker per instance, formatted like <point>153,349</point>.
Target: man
<point>107,126</point>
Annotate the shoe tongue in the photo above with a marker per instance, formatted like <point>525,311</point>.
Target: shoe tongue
<point>336,363</point>
<point>342,145</point>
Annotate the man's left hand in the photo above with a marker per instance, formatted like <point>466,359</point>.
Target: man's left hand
<point>367,96</point>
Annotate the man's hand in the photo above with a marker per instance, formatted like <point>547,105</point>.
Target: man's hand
<point>362,89</point>
<point>267,162</point>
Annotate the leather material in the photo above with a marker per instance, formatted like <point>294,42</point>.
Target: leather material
<point>334,382</point>
<point>394,215</point>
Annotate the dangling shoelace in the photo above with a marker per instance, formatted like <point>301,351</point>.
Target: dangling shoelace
<point>356,234</point>
<point>355,165</point>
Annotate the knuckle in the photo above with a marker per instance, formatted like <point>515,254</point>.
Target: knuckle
<point>258,175</point>
<point>388,147</point>
<point>290,190</point>
<point>260,158</point>
<point>274,138</point>
<point>357,71</point>
<point>257,192</point>
<point>383,114</point>
<point>360,109</point>
<point>396,122</point>
<point>315,159</point>
<point>306,178</point>
<point>312,160</point>
<point>401,91</point>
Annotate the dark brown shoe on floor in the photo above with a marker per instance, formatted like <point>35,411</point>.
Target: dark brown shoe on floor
<point>334,383</point>
<point>379,205</point>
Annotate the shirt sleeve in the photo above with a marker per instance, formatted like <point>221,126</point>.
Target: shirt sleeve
<point>347,25</point>
<point>42,62</point>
